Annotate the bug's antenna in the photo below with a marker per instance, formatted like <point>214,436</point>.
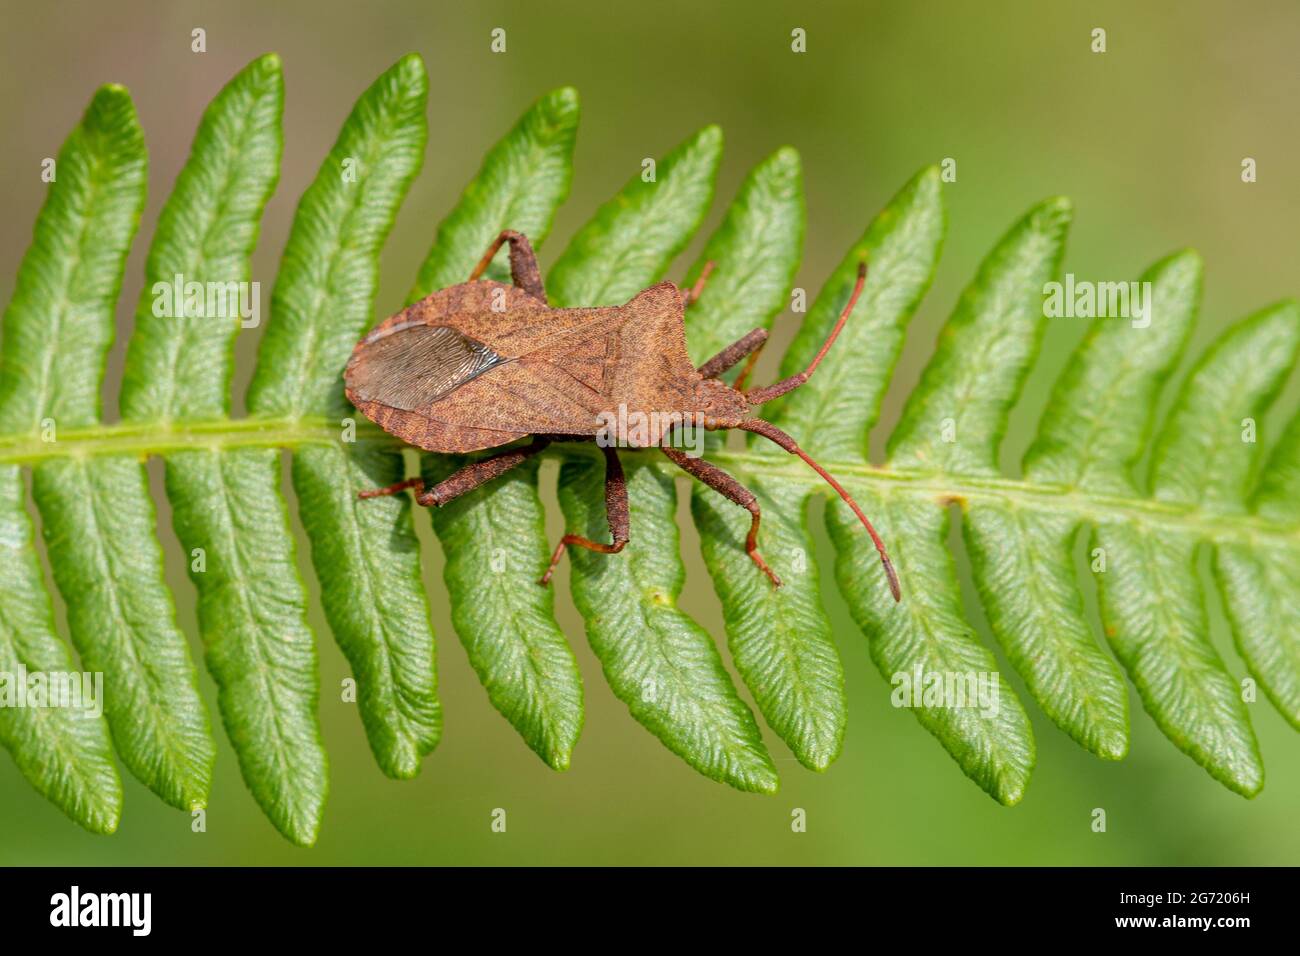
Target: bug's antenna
<point>697,290</point>
<point>769,431</point>
<point>756,396</point>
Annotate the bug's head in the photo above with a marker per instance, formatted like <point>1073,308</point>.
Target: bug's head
<point>721,405</point>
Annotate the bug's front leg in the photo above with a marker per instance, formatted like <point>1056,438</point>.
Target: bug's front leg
<point>615,511</point>
<point>465,479</point>
<point>749,344</point>
<point>523,263</point>
<point>724,484</point>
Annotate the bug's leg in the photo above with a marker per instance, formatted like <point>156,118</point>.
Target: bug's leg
<point>463,480</point>
<point>747,345</point>
<point>416,483</point>
<point>523,263</point>
<point>743,377</point>
<point>615,511</point>
<point>478,473</point>
<point>692,295</point>
<point>724,484</point>
<point>757,396</point>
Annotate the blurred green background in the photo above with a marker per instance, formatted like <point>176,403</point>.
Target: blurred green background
<point>1147,139</point>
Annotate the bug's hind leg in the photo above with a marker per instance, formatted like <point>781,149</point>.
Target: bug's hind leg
<point>465,479</point>
<point>615,511</point>
<point>523,263</point>
<point>724,484</point>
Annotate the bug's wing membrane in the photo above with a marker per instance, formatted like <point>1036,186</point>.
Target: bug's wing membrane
<point>414,366</point>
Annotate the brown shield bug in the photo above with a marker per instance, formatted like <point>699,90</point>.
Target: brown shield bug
<point>481,364</point>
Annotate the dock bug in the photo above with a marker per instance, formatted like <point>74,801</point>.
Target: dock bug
<point>482,364</point>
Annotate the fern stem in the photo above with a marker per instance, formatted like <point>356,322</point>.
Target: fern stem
<point>143,440</point>
<point>1206,523</point>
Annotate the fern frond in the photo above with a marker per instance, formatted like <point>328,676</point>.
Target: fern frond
<point>1151,600</point>
<point>657,660</point>
<point>364,553</point>
<point>1260,582</point>
<point>97,521</point>
<point>1210,486</point>
<point>494,538</point>
<point>780,640</point>
<point>226,506</point>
